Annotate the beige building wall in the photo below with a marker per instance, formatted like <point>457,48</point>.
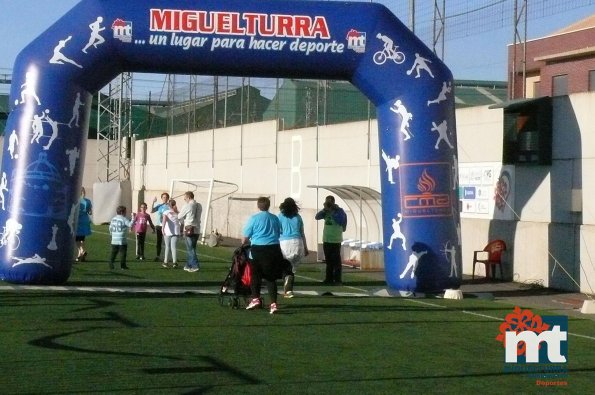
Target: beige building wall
<point>260,161</point>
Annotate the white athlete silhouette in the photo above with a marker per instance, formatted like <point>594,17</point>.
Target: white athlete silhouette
<point>406,116</point>
<point>442,136</point>
<point>76,110</point>
<point>13,141</point>
<point>95,38</point>
<point>29,89</point>
<point>412,263</point>
<point>389,51</point>
<point>54,125</point>
<point>397,234</point>
<point>34,259</point>
<point>70,220</point>
<point>10,235</point>
<point>446,88</point>
<point>3,187</point>
<point>59,57</point>
<point>451,257</point>
<point>391,164</point>
<point>73,155</point>
<point>420,63</point>
<point>388,42</point>
<point>37,126</point>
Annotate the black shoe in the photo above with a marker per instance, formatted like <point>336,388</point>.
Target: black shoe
<point>156,259</point>
<point>124,268</point>
<point>327,282</point>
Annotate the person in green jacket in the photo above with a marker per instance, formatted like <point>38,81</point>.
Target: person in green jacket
<point>335,223</point>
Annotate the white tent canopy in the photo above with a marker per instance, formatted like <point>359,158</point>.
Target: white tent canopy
<point>365,206</point>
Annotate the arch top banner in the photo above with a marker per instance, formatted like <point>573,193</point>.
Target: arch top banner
<point>55,76</point>
<point>257,38</point>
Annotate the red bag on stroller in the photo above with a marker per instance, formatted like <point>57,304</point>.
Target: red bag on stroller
<point>236,285</point>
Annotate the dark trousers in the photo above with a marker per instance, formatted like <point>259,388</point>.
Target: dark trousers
<point>267,264</point>
<point>332,257</point>
<point>121,249</point>
<point>159,234</point>
<point>140,244</point>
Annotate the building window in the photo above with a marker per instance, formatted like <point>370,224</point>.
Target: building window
<point>560,85</point>
<point>536,91</point>
<point>591,80</point>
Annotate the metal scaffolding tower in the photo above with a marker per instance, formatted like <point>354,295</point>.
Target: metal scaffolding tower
<point>438,28</point>
<point>114,130</point>
<point>438,24</point>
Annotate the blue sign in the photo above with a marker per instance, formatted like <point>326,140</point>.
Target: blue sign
<point>468,192</point>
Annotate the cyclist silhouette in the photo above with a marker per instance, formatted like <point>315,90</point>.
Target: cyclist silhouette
<point>389,51</point>
<point>388,42</point>
<point>10,233</point>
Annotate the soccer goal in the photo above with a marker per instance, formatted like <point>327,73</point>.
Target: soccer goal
<point>206,192</point>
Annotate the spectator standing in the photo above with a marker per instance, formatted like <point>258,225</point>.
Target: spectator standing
<point>292,240</point>
<point>190,218</point>
<point>119,227</point>
<point>262,231</point>
<point>140,222</point>
<point>335,223</point>
<point>171,232</point>
<point>83,227</point>
<point>159,209</point>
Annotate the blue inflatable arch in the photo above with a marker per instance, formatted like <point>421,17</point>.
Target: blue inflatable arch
<point>55,76</point>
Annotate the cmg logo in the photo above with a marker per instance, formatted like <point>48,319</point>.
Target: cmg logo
<point>530,338</point>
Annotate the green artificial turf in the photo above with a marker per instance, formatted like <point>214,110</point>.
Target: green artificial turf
<point>70,341</point>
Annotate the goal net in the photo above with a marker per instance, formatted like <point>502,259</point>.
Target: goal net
<point>209,193</point>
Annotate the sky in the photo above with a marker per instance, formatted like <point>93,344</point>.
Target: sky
<point>481,56</point>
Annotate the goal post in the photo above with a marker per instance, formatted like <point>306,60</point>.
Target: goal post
<point>206,191</point>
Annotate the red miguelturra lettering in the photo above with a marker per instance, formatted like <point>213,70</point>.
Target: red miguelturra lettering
<point>250,24</point>
<point>259,24</point>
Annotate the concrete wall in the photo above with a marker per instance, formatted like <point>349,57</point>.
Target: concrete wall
<point>549,242</point>
<point>261,161</point>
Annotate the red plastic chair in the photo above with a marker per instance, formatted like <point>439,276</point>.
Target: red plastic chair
<point>491,257</point>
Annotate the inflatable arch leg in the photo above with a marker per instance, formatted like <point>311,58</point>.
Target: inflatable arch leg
<point>55,76</point>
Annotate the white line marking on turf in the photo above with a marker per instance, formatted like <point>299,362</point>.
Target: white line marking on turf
<point>583,336</point>
<point>424,303</point>
<point>481,315</point>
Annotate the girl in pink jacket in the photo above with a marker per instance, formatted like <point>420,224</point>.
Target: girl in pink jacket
<point>140,221</point>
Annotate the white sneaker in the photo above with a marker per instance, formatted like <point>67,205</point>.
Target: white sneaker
<point>289,294</point>
<point>274,308</point>
<point>192,269</point>
<point>254,303</point>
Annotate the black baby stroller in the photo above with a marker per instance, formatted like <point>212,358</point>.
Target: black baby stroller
<point>235,290</point>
